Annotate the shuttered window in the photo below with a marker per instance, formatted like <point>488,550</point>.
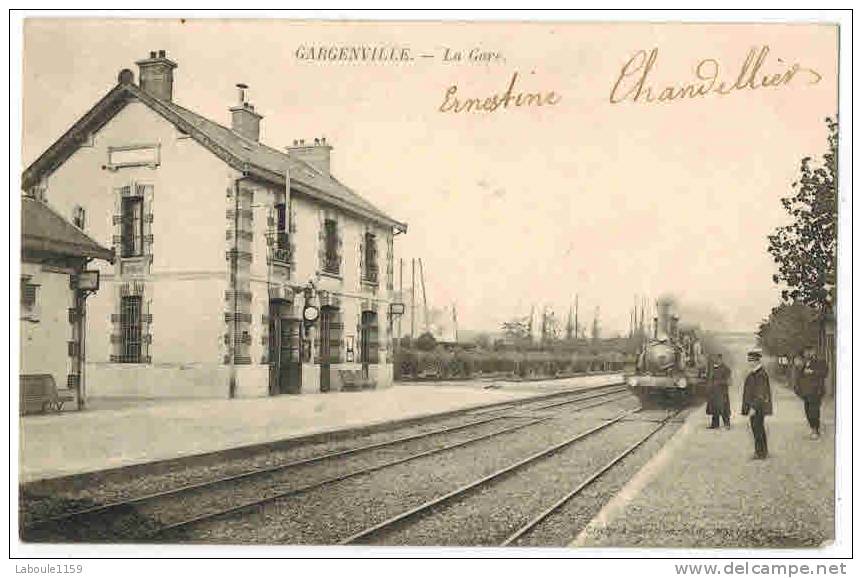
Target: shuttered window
<point>132,231</point>
<point>370,274</point>
<point>282,241</point>
<point>332,260</point>
<point>28,296</point>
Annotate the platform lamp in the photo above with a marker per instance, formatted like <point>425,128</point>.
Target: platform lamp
<point>85,283</point>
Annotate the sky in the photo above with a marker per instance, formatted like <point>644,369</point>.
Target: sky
<point>524,205</point>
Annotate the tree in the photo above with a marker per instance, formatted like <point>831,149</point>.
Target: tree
<point>595,331</point>
<point>789,329</point>
<point>426,342</point>
<point>805,250</point>
<point>517,330</point>
<point>483,341</point>
<point>550,326</point>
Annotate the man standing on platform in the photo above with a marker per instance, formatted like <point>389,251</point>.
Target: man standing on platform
<point>718,400</point>
<point>810,385</point>
<point>757,400</point>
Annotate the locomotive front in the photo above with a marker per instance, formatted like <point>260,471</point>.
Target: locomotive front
<point>660,370</point>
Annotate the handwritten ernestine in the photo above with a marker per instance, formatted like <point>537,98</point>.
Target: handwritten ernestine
<point>754,73</point>
<point>510,98</point>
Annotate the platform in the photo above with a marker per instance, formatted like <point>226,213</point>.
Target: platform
<point>115,433</point>
<point>704,490</point>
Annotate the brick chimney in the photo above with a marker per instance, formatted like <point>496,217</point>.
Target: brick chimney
<point>316,154</point>
<point>244,120</point>
<point>156,75</point>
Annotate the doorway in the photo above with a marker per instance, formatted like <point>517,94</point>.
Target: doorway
<point>326,317</point>
<point>285,368</point>
<point>369,341</point>
<point>331,335</point>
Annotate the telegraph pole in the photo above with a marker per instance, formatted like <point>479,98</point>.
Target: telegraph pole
<point>400,294</point>
<point>424,299</point>
<point>412,300</point>
<point>455,321</point>
<point>577,327</point>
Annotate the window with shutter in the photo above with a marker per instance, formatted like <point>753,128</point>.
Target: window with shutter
<point>370,273</point>
<point>281,251</point>
<point>28,296</point>
<point>132,226</point>
<point>29,299</point>
<point>332,259</point>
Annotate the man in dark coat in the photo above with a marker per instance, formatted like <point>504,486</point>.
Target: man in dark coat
<point>810,385</point>
<point>718,400</point>
<point>757,400</point>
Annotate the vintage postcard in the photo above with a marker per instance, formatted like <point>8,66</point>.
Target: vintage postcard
<point>434,283</point>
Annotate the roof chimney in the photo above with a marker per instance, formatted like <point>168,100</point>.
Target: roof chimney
<point>317,154</point>
<point>244,120</point>
<point>156,75</point>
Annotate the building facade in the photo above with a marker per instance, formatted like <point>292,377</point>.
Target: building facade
<point>222,243</point>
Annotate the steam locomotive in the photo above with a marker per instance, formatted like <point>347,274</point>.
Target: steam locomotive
<point>672,363</point>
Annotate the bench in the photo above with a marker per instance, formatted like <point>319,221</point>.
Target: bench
<point>353,380</point>
<point>39,394</point>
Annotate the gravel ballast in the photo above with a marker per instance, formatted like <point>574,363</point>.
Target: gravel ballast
<point>489,514</point>
<point>329,514</point>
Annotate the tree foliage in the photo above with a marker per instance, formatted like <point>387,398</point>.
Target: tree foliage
<point>790,328</point>
<point>550,326</point>
<point>805,250</point>
<point>517,330</point>
<point>426,342</point>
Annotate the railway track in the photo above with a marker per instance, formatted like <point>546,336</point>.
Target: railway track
<point>536,521</point>
<point>149,516</point>
<point>370,534</point>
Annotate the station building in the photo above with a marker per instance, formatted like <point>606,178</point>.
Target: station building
<point>222,243</point>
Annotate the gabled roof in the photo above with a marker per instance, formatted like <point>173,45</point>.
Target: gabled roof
<point>44,230</point>
<point>254,158</point>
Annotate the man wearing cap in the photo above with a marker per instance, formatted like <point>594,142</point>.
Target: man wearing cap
<point>718,400</point>
<point>757,400</point>
<point>810,385</point>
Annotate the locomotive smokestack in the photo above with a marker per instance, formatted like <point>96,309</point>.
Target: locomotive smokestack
<point>663,328</point>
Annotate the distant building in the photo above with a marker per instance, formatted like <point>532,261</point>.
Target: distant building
<point>54,253</point>
<point>221,243</point>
